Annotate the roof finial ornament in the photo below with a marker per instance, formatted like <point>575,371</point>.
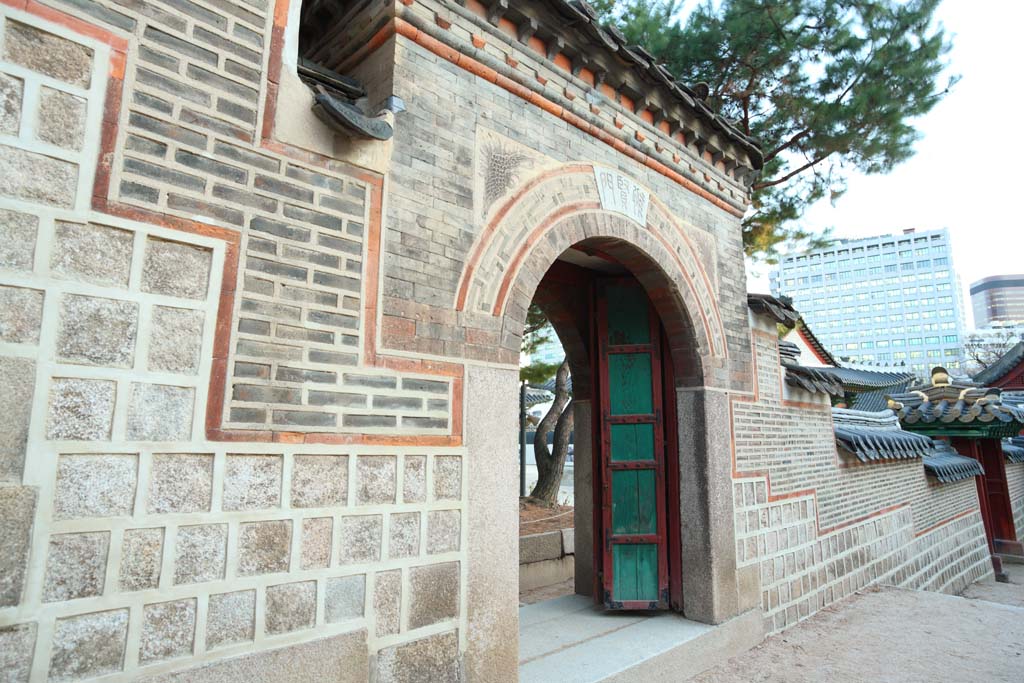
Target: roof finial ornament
<point>940,376</point>
<point>701,90</point>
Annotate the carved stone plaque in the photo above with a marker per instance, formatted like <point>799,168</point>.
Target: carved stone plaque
<point>622,194</point>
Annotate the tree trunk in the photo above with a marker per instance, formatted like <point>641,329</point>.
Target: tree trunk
<point>551,464</point>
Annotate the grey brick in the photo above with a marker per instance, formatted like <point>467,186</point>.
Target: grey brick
<point>304,418</point>
<point>309,296</point>
<point>172,87</point>
<point>214,125</point>
<point>243,72</point>
<point>341,205</point>
<point>143,193</point>
<point>208,165</point>
<point>333,319</point>
<point>177,178</point>
<point>302,334</point>
<point>286,374</point>
<point>369,421</point>
<point>192,205</point>
<point>338,281</point>
<point>279,187</point>
<point>244,198</point>
<point>258,415</point>
<point>334,398</point>
<point>340,244</point>
<point>271,310</point>
<point>167,130</point>
<point>148,9</point>
<point>332,357</point>
<point>229,108</point>
<point>317,257</point>
<point>201,13</point>
<point>398,402</point>
<point>145,146</point>
<point>251,393</point>
<point>157,58</point>
<point>143,99</point>
<point>260,246</point>
<point>238,12</point>
<point>257,285</point>
<point>245,157</point>
<point>243,369</point>
<point>248,35</point>
<point>225,45</point>
<point>180,46</point>
<point>103,14</point>
<point>248,326</point>
<point>428,385</point>
<point>425,422</point>
<point>273,351</point>
<point>314,178</point>
<point>274,268</point>
<point>266,225</point>
<point>315,217</point>
<point>371,381</point>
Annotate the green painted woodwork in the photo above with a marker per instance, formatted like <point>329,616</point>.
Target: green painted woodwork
<point>634,502</point>
<point>635,570</point>
<point>628,321</point>
<point>630,390</point>
<point>632,442</point>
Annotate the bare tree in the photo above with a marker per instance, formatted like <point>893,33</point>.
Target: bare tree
<point>551,463</point>
<point>982,351</point>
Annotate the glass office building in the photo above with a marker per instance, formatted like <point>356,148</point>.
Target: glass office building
<point>888,300</point>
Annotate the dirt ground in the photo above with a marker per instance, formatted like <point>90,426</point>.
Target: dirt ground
<point>555,590</point>
<point>896,636</point>
<point>535,518</point>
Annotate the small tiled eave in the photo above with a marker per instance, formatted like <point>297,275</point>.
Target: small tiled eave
<point>967,412</point>
<point>874,436</point>
<point>1013,449</point>
<point>945,465</point>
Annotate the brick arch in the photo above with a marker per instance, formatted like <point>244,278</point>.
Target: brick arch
<point>545,212</point>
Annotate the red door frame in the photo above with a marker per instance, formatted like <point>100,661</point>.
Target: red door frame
<point>666,459</point>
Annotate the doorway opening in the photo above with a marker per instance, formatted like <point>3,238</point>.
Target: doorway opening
<point>623,480</point>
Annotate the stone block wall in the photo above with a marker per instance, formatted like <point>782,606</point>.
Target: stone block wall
<point>151,241</point>
<point>820,525</point>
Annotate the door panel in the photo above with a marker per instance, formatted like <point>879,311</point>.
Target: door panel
<point>631,428</point>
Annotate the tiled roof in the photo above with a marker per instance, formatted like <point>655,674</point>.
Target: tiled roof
<point>779,309</point>
<point>876,436</point>
<point>1013,449</point>
<point>1002,367</point>
<point>951,403</point>
<point>582,17</point>
<point>814,380</point>
<point>946,465</point>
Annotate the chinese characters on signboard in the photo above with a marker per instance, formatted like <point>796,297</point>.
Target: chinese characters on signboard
<point>622,194</point>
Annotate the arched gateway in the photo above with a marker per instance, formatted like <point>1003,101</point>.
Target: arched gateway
<point>264,269</point>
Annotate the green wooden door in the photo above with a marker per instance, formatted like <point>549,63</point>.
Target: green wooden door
<point>635,559</point>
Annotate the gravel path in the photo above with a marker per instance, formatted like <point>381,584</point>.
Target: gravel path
<point>896,636</point>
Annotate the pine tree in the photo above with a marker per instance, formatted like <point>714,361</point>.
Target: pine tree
<point>826,87</point>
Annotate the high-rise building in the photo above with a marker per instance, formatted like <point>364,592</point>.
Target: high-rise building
<point>891,300</point>
<point>998,300</point>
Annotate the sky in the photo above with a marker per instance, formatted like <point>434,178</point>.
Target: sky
<point>966,175</point>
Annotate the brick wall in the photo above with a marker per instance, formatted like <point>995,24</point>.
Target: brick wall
<point>1015,483</point>
<point>819,526</point>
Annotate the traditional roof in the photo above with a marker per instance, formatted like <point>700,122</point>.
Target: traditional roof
<point>875,436</point>
<point>954,404</point>
<point>535,396</point>
<point>779,309</point>
<point>1002,367</point>
<point>1013,449</point>
<point>946,465</point>
<point>609,40</point>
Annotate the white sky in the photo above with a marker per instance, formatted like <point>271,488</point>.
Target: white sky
<point>966,175</point>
